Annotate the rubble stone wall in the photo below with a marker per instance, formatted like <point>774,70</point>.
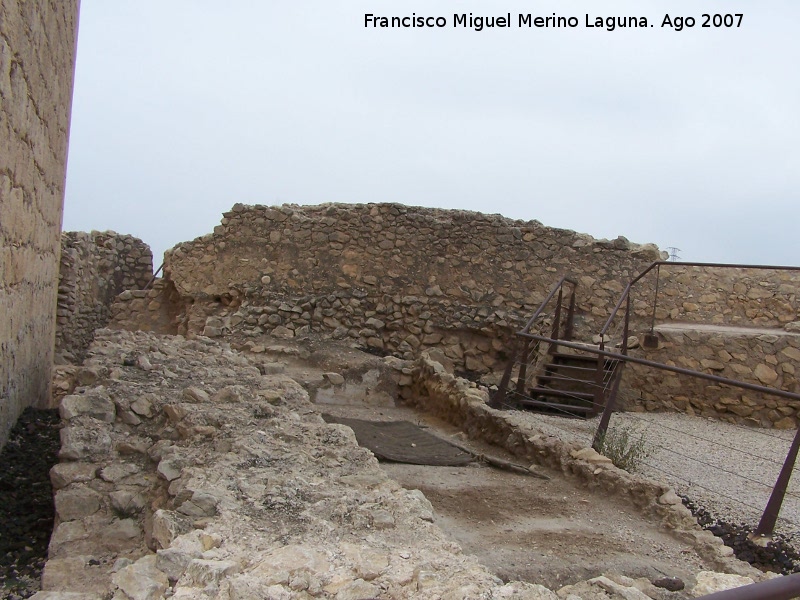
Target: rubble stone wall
<point>391,277</point>
<point>463,404</point>
<point>37,59</point>
<point>186,473</point>
<point>715,295</point>
<point>95,268</point>
<point>767,359</point>
<point>155,309</point>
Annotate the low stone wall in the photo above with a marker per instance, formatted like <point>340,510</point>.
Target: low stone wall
<point>768,358</point>
<point>157,309</point>
<point>463,404</point>
<point>186,473</point>
<point>95,267</point>
<point>398,280</point>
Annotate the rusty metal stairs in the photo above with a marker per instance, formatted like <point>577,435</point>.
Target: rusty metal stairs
<point>554,373</point>
<point>568,385</point>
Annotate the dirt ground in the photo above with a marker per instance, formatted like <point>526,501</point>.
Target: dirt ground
<point>553,532</point>
<point>522,528</point>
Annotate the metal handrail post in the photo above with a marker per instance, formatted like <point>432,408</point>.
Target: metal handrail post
<point>655,300</point>
<point>523,366</point>
<point>602,427</point>
<point>556,319</point>
<point>498,399</point>
<point>767,524</point>
<point>569,327</point>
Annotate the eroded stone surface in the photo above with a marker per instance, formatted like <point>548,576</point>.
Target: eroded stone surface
<point>245,492</point>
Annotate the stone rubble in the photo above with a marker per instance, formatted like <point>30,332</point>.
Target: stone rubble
<point>192,471</point>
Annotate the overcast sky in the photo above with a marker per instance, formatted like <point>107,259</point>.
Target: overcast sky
<point>683,138</point>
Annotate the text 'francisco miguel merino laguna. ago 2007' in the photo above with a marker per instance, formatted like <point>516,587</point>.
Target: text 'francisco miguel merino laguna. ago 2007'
<point>528,20</point>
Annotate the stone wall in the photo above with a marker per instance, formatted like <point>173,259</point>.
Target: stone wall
<point>769,358</point>
<point>465,405</point>
<point>714,295</point>
<point>187,473</point>
<point>95,268</point>
<point>155,309</point>
<point>37,59</point>
<point>392,278</point>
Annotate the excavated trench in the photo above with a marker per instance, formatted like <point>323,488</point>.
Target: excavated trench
<point>554,532</point>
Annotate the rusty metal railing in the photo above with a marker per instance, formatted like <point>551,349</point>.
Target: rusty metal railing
<point>523,357</point>
<point>769,518</point>
<point>153,278</point>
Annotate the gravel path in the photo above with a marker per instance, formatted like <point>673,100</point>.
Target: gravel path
<point>728,469</point>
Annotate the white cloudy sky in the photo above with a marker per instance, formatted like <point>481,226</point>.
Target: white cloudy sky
<point>689,139</point>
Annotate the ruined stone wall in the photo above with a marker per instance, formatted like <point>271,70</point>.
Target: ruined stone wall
<point>397,280</point>
<point>390,277</point>
<point>155,309</point>
<point>189,474</point>
<point>95,268</point>
<point>37,59</point>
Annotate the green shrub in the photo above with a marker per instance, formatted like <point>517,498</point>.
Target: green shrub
<point>625,446</point>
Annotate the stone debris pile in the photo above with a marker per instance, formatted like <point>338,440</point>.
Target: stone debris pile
<point>186,472</point>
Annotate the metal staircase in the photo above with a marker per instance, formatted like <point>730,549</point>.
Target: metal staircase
<point>554,378</point>
<point>567,384</point>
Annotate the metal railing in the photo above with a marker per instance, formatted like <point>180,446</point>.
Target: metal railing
<point>767,524</point>
<point>153,278</point>
<point>562,328</point>
<point>606,391</point>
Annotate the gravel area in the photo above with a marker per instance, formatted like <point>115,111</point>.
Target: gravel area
<point>728,469</point>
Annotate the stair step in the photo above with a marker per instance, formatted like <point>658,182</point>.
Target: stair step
<point>555,366</point>
<point>567,408</point>
<point>543,391</point>
<point>581,357</point>
<point>559,378</point>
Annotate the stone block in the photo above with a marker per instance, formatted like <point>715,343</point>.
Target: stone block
<point>64,474</point>
<point>95,405</point>
<point>142,580</point>
<point>76,503</point>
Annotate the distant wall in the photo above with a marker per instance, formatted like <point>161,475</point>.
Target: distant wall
<point>37,61</point>
<point>714,295</point>
<point>392,278</point>
<point>95,268</point>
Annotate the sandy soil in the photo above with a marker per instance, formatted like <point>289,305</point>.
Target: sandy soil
<point>522,528</point>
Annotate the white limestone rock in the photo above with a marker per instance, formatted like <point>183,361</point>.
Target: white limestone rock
<point>95,405</point>
<point>142,580</point>
<point>64,474</point>
<point>76,503</point>
<point>709,582</point>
